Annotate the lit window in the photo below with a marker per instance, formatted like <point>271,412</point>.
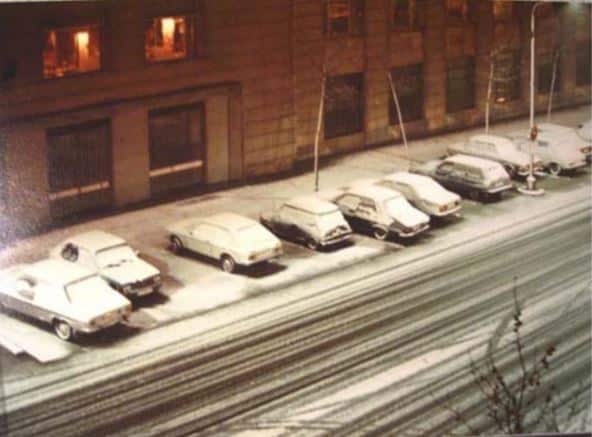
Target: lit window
<point>457,10</point>
<point>343,17</point>
<point>502,10</point>
<point>168,38</point>
<point>71,50</point>
<point>404,14</point>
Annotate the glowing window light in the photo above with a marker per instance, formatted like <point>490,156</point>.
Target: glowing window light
<point>168,28</point>
<point>82,39</point>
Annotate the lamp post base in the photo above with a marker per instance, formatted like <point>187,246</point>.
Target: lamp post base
<point>530,189</point>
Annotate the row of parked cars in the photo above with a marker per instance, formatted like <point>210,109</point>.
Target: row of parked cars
<point>88,281</point>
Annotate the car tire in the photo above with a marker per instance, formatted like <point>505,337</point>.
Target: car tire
<point>554,169</point>
<point>227,264</point>
<point>312,244</point>
<point>380,233</point>
<point>63,330</point>
<point>176,244</point>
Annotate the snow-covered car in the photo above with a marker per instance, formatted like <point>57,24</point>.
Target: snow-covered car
<point>111,257</point>
<point>230,238</point>
<point>584,131</point>
<point>499,149</point>
<point>309,220</point>
<point>477,177</point>
<point>559,147</point>
<point>69,297</point>
<point>423,193</point>
<point>384,211</point>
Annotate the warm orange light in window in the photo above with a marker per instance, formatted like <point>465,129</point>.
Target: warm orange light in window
<point>168,28</point>
<point>82,39</point>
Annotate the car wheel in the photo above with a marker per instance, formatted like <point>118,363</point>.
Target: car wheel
<point>176,244</point>
<point>380,233</point>
<point>511,170</point>
<point>63,330</point>
<point>554,169</point>
<point>312,244</point>
<point>227,263</point>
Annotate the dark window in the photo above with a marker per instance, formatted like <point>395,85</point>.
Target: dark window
<point>71,50</point>
<point>168,38</point>
<point>79,156</point>
<point>507,76</point>
<point>344,17</point>
<point>344,105</point>
<point>583,70</point>
<point>176,136</point>
<point>408,14</point>
<point>457,11</point>
<point>408,82</point>
<point>545,67</point>
<point>460,84</point>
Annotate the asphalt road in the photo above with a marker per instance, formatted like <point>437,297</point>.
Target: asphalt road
<point>258,379</point>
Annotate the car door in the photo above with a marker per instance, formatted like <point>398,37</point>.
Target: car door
<point>366,211</point>
<point>199,239</point>
<point>348,203</point>
<point>219,242</point>
<point>289,223</point>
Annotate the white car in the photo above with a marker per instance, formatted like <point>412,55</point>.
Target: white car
<point>230,238</point>
<point>559,147</point>
<point>423,192</point>
<point>70,298</point>
<point>384,211</point>
<point>112,258</point>
<point>499,149</point>
<point>309,220</point>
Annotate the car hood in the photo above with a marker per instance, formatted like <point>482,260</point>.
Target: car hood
<point>129,272</point>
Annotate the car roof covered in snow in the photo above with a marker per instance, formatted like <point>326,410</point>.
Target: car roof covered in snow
<point>311,204</point>
<point>472,161</point>
<point>375,192</point>
<point>56,271</point>
<point>96,240</point>
<point>228,220</point>
<point>496,139</point>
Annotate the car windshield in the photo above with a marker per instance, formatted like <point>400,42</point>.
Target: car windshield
<point>330,220</point>
<point>85,290</point>
<point>115,255</point>
<point>252,234</point>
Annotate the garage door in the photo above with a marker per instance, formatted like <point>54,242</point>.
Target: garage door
<point>79,162</point>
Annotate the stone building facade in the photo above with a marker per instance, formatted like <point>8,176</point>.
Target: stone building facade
<point>110,103</point>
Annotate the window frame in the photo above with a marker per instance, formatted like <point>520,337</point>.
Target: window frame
<point>516,86</point>
<point>98,23</point>
<point>191,45</point>
<point>468,63</point>
<point>414,71</point>
<point>359,110</point>
<point>356,26</point>
<point>415,16</point>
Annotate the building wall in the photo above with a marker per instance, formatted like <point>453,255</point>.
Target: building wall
<point>257,69</point>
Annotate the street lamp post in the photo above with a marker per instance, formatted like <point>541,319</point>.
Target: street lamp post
<point>530,179</point>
